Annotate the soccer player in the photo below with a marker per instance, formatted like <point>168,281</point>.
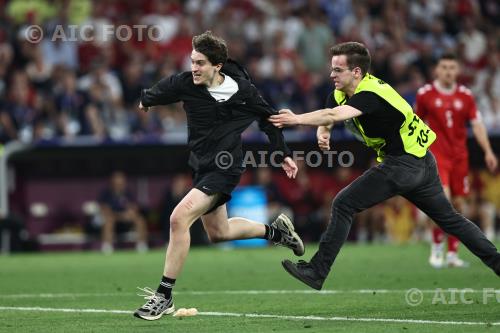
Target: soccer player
<point>448,107</point>
<point>384,121</point>
<point>220,103</point>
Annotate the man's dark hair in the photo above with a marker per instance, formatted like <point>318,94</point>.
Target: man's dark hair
<point>213,47</point>
<point>447,56</point>
<point>356,53</point>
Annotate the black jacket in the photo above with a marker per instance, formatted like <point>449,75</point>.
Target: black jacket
<point>214,126</point>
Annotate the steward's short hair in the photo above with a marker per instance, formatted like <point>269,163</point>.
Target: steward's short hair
<point>356,53</point>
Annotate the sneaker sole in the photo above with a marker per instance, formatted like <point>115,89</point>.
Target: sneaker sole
<point>168,311</point>
<point>285,221</point>
<point>290,268</point>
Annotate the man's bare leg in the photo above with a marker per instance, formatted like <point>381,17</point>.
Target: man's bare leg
<point>219,228</point>
<point>191,207</point>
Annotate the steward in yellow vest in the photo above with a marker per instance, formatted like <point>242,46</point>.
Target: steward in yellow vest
<point>408,133</point>
<point>383,120</point>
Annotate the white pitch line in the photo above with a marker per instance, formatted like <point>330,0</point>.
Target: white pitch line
<point>257,315</point>
<point>256,292</point>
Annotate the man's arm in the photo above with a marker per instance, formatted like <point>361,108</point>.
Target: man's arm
<point>258,105</point>
<point>166,91</point>
<point>324,133</point>
<point>279,145</point>
<point>274,134</point>
<point>323,117</point>
<point>276,138</point>
<point>481,136</point>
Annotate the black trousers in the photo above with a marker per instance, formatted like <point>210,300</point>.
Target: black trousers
<point>418,181</point>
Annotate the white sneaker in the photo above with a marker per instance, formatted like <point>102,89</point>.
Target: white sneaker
<point>156,306</point>
<point>452,260</point>
<point>289,238</point>
<point>436,259</point>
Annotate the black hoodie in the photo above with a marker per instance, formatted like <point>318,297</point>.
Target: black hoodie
<point>217,126</point>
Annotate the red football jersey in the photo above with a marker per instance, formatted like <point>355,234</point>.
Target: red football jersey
<point>447,113</point>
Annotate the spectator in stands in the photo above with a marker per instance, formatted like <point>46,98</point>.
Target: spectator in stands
<point>18,114</point>
<point>117,205</point>
<point>101,74</point>
<point>144,125</point>
<point>313,43</point>
<point>487,88</point>
<point>105,113</point>
<point>131,80</point>
<point>60,51</point>
<point>70,105</point>
<point>474,44</point>
<point>439,40</point>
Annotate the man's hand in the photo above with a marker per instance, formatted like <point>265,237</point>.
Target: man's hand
<point>285,118</point>
<point>290,167</point>
<point>491,161</point>
<point>323,135</point>
<point>143,108</point>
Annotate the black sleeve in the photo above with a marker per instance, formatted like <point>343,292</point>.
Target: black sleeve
<point>274,134</point>
<point>166,91</point>
<point>330,102</point>
<point>366,102</point>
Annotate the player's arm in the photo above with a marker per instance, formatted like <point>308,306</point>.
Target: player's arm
<point>481,136</point>
<point>166,91</point>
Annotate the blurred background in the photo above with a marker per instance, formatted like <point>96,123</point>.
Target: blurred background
<point>69,121</point>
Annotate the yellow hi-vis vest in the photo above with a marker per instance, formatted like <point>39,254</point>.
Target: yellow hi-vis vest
<point>415,134</point>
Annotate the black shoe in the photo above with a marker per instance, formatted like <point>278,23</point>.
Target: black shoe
<point>304,272</point>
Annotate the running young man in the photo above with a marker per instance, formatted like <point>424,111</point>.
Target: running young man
<point>220,103</point>
<point>384,121</point>
<point>448,107</point>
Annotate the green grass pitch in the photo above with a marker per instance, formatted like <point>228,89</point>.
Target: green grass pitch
<point>247,290</point>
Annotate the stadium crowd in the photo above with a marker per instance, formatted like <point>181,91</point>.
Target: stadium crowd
<point>89,85</point>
